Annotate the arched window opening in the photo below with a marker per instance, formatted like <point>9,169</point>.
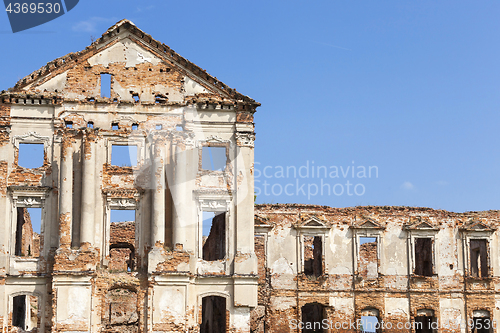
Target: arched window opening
<point>482,322</point>
<point>312,317</point>
<point>425,321</point>
<point>370,320</point>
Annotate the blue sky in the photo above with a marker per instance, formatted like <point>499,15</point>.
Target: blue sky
<point>409,87</point>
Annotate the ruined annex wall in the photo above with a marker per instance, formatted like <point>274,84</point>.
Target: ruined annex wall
<point>377,277</point>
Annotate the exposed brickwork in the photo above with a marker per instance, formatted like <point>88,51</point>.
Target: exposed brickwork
<point>368,261</point>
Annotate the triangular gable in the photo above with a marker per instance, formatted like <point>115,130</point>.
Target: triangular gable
<point>476,225</point>
<point>312,222</point>
<point>419,223</point>
<point>163,76</point>
<point>364,222</point>
<point>262,222</point>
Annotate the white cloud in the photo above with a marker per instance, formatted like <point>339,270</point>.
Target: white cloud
<point>407,186</point>
<point>142,9</point>
<point>91,24</point>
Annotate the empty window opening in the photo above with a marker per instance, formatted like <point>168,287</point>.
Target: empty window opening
<point>158,126</point>
<point>114,126</point>
<point>90,124</point>
<point>313,255</point>
<point>19,311</point>
<point>69,124</point>
<point>161,99</point>
<point>368,258</point>
<point>179,128</point>
<point>482,322</point>
<point>25,312</point>
<point>425,324</point>
<point>121,312</point>
<point>106,85</point>
<point>124,155</point>
<point>135,127</point>
<point>213,158</point>
<point>423,256</point>
<point>369,324</point>
<point>28,230</point>
<point>213,314</point>
<point>478,257</point>
<point>135,96</point>
<point>122,242</point>
<point>312,317</point>
<point>214,236</point>
<point>31,155</point>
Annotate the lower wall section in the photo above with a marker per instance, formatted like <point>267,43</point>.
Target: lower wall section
<point>121,302</point>
<point>292,311</point>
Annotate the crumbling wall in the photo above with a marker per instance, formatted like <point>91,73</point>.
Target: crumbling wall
<point>385,283</point>
<point>368,260</point>
<point>122,246</point>
<point>121,313</point>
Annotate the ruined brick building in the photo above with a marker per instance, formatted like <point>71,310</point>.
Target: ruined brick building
<point>127,201</point>
<point>409,269</point>
<point>143,186</point>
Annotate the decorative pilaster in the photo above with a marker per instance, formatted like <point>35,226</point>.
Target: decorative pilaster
<point>158,208</point>
<point>66,193</point>
<point>88,193</point>
<point>179,236</point>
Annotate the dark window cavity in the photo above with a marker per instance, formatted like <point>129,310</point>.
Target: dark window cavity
<point>423,256</point>
<point>213,314</point>
<point>313,256</point>
<point>214,236</point>
<point>478,257</point>
<point>425,324</point>
<point>19,311</point>
<point>312,317</point>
